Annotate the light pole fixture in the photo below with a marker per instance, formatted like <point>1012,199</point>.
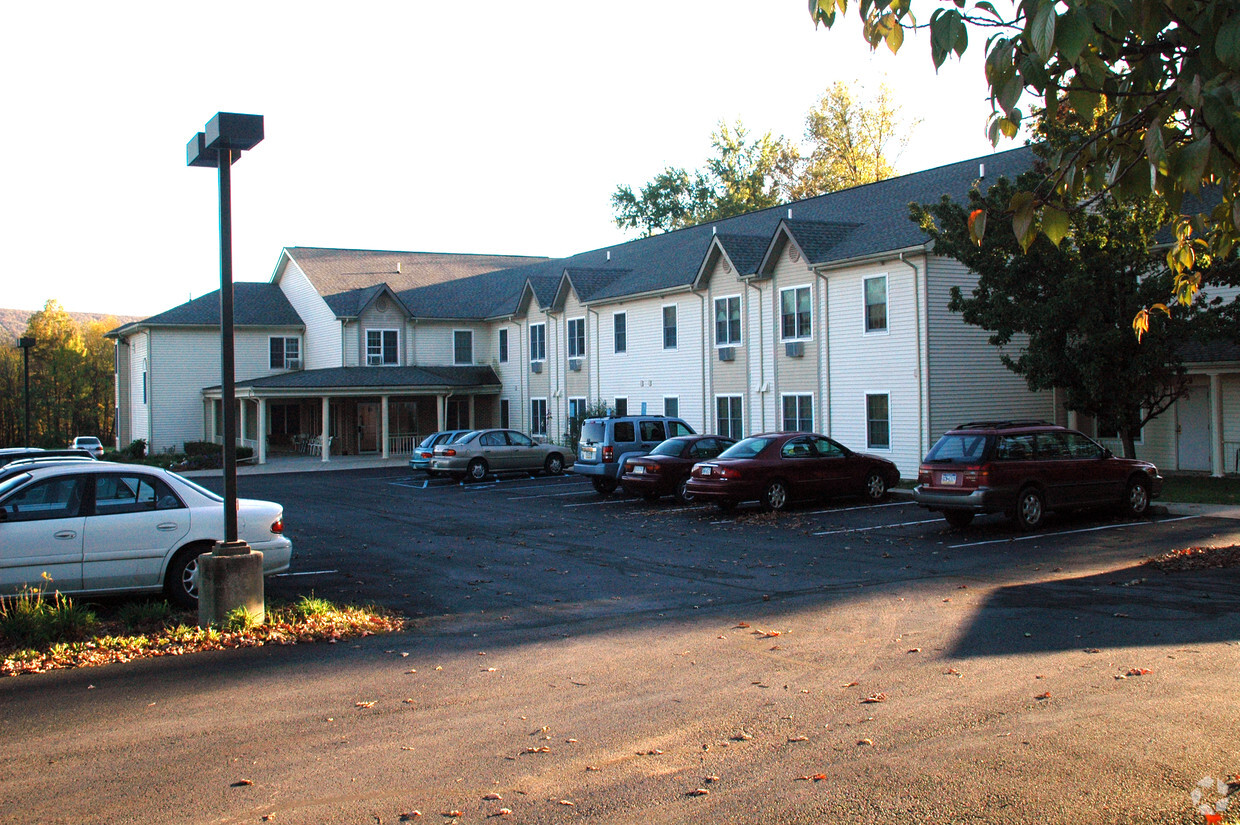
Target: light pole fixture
<point>26,345</point>
<point>229,577</point>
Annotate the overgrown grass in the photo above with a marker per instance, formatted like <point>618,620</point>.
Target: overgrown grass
<point>40,632</point>
<point>1201,489</point>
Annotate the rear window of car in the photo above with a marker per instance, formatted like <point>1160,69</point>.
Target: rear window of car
<point>958,448</point>
<point>748,448</point>
<point>592,432</point>
<point>673,446</point>
<point>198,488</point>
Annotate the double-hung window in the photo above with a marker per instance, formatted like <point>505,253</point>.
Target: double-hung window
<point>728,321</point>
<point>876,304</point>
<point>620,328</point>
<point>576,337</point>
<point>538,342</point>
<point>285,352</point>
<point>503,346</point>
<point>796,313</point>
<point>538,416</point>
<point>798,413</point>
<point>728,416</point>
<point>382,347</point>
<point>878,422</point>
<point>669,326</point>
<point>462,346</point>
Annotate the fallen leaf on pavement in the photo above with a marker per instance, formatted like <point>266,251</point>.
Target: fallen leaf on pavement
<point>874,698</point>
<point>951,671</point>
<point>408,815</point>
<point>1046,695</point>
<point>698,792</point>
<point>241,783</point>
<point>593,768</point>
<point>543,749</point>
<point>742,624</point>
<point>1137,671</point>
<point>798,738</point>
<point>454,813</point>
<point>364,704</point>
<point>711,778</point>
<point>494,797</point>
<point>865,742</point>
<point>569,803</point>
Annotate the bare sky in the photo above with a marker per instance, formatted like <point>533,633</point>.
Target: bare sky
<point>426,126</point>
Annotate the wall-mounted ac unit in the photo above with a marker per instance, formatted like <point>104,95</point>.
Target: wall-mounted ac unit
<point>794,349</point>
<point>574,364</point>
<point>727,353</point>
<point>292,363</point>
<point>536,366</point>
<point>374,360</point>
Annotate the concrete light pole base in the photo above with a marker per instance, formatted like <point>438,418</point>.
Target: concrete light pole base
<point>229,578</point>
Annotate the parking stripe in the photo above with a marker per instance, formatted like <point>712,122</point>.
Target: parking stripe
<point>605,501</point>
<point>306,573</point>
<point>874,527</point>
<point>859,507</point>
<point>585,492</point>
<point>1069,532</point>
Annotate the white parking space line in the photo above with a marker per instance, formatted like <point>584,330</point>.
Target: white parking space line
<point>596,503</point>
<point>858,507</point>
<point>305,573</point>
<point>588,491</point>
<point>1069,532</point>
<point>874,527</point>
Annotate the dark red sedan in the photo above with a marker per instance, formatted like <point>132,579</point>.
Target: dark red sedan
<point>664,471</point>
<point>777,468</point>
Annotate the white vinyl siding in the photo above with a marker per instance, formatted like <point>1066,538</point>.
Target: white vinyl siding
<point>322,339</point>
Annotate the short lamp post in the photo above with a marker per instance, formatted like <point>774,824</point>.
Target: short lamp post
<point>26,345</point>
<point>231,575</point>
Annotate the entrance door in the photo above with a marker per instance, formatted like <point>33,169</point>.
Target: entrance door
<point>1193,429</point>
<point>367,427</point>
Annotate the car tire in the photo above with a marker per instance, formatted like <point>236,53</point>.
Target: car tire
<point>682,493</point>
<point>875,487</point>
<point>477,470</point>
<point>1030,509</point>
<point>554,465</point>
<point>180,581</point>
<point>1136,498</point>
<point>603,485</point>
<point>775,496</point>
<point>958,518</point>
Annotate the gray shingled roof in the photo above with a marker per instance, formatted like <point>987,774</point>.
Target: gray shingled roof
<point>745,251</point>
<point>818,238</point>
<point>254,305</point>
<point>1205,352</point>
<point>378,378</point>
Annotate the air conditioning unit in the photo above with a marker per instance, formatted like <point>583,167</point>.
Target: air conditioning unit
<point>574,364</point>
<point>292,363</point>
<point>727,353</point>
<point>374,360</point>
<point>794,349</point>
<point>536,366</point>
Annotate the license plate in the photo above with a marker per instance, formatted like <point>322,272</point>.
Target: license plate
<point>706,470</point>
<point>947,478</point>
<point>587,452</point>
<point>638,470</point>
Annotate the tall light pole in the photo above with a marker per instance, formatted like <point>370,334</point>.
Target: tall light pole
<point>231,576</point>
<point>26,344</point>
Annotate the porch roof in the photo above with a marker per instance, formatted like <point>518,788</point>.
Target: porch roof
<point>352,380</point>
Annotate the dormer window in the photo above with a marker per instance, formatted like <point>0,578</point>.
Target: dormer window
<point>382,347</point>
<point>285,353</point>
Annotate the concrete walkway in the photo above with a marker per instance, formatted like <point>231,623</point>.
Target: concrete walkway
<point>308,464</point>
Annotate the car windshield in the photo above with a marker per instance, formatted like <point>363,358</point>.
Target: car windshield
<point>958,448</point>
<point>197,488</point>
<point>673,446</point>
<point>748,448</point>
<point>592,432</point>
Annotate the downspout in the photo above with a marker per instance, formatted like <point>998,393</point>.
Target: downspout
<point>761,358</point>
<point>919,302</point>
<point>706,351</point>
<point>598,351</point>
<point>824,364</point>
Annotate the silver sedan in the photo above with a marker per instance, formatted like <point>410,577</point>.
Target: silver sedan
<point>484,452</point>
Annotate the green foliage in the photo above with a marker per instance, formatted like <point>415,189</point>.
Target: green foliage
<point>599,409</point>
<point>31,620</point>
<point>309,606</point>
<point>1066,309</point>
<point>240,620</point>
<point>144,614</point>
<point>193,448</point>
<point>1167,74</point>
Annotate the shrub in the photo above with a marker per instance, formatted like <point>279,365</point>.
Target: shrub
<point>29,620</point>
<point>136,449</point>
<point>195,448</point>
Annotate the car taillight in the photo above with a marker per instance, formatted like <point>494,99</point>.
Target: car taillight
<point>653,467</point>
<point>727,472</point>
<point>976,476</point>
<point>277,526</point>
<point>449,451</point>
<point>609,454</point>
<point>426,455</point>
<point>924,475</point>
<point>628,466</point>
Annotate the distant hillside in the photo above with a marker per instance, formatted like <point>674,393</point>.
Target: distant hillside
<point>13,321</point>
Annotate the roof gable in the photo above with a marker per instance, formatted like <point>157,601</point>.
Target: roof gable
<point>254,305</point>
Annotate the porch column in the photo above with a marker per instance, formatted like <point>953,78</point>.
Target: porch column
<point>261,451</point>
<point>211,420</point>
<point>383,413</point>
<point>471,412</point>
<point>1218,465</point>
<point>323,441</point>
<point>441,409</point>
<point>241,421</point>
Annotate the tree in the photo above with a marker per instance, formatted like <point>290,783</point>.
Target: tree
<point>1069,306</point>
<point>1169,71</point>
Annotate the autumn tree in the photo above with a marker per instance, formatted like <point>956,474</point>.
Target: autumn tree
<point>1169,72</point>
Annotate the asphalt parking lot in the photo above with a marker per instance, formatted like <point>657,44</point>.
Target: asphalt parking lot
<point>576,657</point>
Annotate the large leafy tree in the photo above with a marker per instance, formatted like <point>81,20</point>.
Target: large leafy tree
<point>1168,71</point>
<point>1066,309</point>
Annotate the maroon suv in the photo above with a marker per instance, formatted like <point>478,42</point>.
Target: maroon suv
<point>1024,469</point>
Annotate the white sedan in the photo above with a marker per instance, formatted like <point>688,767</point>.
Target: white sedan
<point>103,527</point>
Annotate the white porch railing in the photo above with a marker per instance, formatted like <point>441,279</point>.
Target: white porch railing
<point>403,443</point>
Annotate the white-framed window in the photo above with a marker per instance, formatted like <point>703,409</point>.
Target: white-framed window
<point>145,367</point>
<point>671,406</point>
<point>538,342</point>
<point>796,313</point>
<point>462,346</point>
<point>382,347</point>
<point>503,347</point>
<point>622,405</point>
<point>620,330</point>
<point>538,416</point>
<point>876,304</point>
<point>576,337</point>
<point>728,321</point>
<point>669,326</point>
<point>576,408</point>
<point>798,413</point>
<point>729,416</point>
<point>284,352</point>
<point>878,421</point>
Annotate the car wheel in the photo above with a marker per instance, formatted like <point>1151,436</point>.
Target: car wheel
<point>1030,509</point>
<point>682,492</point>
<point>554,464</point>
<point>776,495</point>
<point>1136,498</point>
<point>603,485</point>
<point>958,518</point>
<point>181,580</point>
<point>875,487</point>
<point>477,470</point>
